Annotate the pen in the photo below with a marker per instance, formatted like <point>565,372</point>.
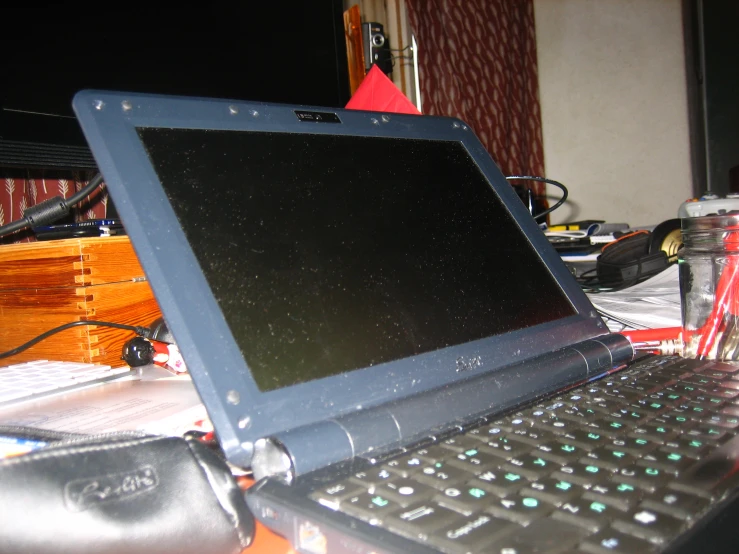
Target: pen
<point>574,226</point>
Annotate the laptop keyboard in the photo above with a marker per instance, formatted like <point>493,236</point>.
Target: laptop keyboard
<point>623,464</point>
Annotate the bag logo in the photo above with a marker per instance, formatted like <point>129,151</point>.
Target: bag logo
<point>82,494</point>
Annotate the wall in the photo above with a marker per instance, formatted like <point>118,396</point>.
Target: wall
<point>614,107</point>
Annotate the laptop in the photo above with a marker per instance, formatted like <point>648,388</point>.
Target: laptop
<point>380,332</point>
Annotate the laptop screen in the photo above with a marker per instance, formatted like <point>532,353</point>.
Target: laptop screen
<point>328,254</point>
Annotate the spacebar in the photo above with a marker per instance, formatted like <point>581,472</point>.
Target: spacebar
<point>713,474</point>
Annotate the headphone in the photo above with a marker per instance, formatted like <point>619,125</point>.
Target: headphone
<point>638,255</point>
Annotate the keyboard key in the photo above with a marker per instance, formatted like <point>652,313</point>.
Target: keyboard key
<point>459,443</point>
<point>582,474</point>
<point>371,477</point>
<point>588,438</point>
<point>732,383</point>
<point>534,436</point>
<point>648,478</point>
<point>499,482</point>
<point>713,474</point>
<point>405,465</point>
<point>702,431</point>
<point>721,420</point>
<point>369,507</point>
<point>471,534</point>
<point>589,514</point>
<point>541,535</point>
<point>651,406</point>
<point>422,519</point>
<point>333,495</point>
<point>465,499</point>
<point>691,364</point>
<point>680,504</point>
<point>506,448</point>
<point>670,462</point>
<point>404,491</point>
<point>720,391</point>
<point>560,452</point>
<point>613,541</point>
<point>727,367</point>
<point>474,459</point>
<point>441,475</point>
<point>519,509</point>
<point>554,491</point>
<point>612,427</point>
<point>556,425</point>
<point>529,465</point>
<point>730,410</point>
<point>650,525</point>
<point>715,373</point>
<point>692,448</point>
<point>609,458</point>
<point>616,493</point>
<point>513,422</point>
<point>637,446</point>
<point>654,432</point>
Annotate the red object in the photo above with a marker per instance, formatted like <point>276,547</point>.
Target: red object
<point>646,335</point>
<point>377,93</point>
<point>727,292</point>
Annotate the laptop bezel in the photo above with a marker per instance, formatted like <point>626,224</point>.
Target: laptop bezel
<point>239,411</point>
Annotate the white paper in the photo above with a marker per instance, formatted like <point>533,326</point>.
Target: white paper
<point>651,304</point>
<point>162,406</point>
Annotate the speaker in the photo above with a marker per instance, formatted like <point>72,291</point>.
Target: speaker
<point>376,48</point>
<point>638,255</point>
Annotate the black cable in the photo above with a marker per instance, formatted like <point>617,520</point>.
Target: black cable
<point>84,191</point>
<point>50,210</point>
<point>141,331</point>
<point>543,180</point>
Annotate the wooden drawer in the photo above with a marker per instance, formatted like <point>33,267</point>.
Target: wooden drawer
<point>49,283</point>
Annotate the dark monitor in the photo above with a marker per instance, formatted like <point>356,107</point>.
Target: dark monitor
<point>251,51</point>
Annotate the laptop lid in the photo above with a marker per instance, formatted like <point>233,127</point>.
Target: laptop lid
<point>315,263</point>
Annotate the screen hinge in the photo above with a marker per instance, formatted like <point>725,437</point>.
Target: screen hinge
<point>401,422</point>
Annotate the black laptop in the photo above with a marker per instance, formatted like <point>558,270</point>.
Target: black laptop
<point>382,334</point>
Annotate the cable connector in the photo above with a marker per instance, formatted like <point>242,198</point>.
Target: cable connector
<point>664,340</point>
<point>668,347</point>
<point>143,332</point>
<point>46,212</point>
<point>50,210</point>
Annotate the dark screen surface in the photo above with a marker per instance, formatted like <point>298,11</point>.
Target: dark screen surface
<point>332,253</point>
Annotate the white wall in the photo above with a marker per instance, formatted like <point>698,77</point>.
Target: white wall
<point>614,107</point>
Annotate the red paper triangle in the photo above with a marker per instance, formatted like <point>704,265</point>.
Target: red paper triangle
<point>377,93</point>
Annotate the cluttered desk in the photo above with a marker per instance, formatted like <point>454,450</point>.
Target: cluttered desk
<point>399,359</point>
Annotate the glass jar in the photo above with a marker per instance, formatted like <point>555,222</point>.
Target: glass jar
<point>709,286</point>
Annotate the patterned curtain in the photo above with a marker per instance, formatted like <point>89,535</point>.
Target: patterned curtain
<point>21,189</point>
<point>477,62</point>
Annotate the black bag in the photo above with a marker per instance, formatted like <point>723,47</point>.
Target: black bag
<point>119,493</point>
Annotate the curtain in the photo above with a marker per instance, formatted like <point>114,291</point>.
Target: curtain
<point>21,189</point>
<point>477,62</point>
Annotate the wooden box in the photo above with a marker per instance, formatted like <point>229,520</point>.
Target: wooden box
<point>49,283</point>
